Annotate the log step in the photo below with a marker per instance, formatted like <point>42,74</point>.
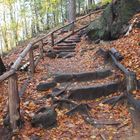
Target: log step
<point>71,41</point>
<point>60,51</point>
<point>66,44</point>
<point>45,86</point>
<point>64,48</point>
<point>85,76</point>
<point>90,93</point>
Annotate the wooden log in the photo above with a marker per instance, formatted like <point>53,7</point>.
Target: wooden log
<point>16,65</point>
<point>66,44</point>
<point>46,86</point>
<point>21,56</point>
<point>6,75</point>
<point>61,40</point>
<point>72,41</point>
<point>84,76</point>
<point>14,102</point>
<point>64,48</point>
<point>134,108</point>
<point>52,39</point>
<point>131,82</point>
<point>63,51</point>
<point>119,65</point>
<point>116,54</point>
<point>41,49</point>
<point>31,60</point>
<point>90,93</point>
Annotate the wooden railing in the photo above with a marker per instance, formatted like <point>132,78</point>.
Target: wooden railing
<point>11,75</point>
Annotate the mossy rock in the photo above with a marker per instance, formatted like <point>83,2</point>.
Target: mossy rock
<point>114,20</point>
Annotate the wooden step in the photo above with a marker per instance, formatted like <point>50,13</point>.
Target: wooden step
<point>66,44</point>
<point>59,51</point>
<point>64,47</point>
<point>71,41</point>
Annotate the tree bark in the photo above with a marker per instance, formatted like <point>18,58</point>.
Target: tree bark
<point>2,67</point>
<point>71,10</point>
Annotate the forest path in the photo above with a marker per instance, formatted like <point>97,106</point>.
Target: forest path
<point>84,60</point>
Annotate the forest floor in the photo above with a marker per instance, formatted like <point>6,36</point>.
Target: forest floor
<point>74,127</point>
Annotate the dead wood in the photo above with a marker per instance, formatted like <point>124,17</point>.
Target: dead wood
<point>90,93</point>
<point>64,47</point>
<point>116,54</point>
<point>45,86</point>
<point>84,76</point>
<point>66,44</point>
<point>80,108</point>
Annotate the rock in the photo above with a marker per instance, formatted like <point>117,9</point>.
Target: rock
<point>45,117</point>
<point>114,20</point>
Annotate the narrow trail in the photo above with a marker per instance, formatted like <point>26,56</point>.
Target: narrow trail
<point>75,62</point>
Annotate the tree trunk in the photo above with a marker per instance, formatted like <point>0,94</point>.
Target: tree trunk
<point>71,10</point>
<point>114,20</point>
<point>2,67</point>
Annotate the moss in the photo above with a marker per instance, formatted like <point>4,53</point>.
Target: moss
<point>113,20</point>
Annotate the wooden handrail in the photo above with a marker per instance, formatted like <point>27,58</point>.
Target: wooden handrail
<point>16,65</point>
<point>13,93</point>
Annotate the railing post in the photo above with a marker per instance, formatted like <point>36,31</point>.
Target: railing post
<point>89,17</point>
<point>52,39</point>
<point>41,49</point>
<point>31,60</point>
<point>73,27</point>
<point>14,102</point>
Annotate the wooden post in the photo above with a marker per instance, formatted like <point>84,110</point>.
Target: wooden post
<point>14,102</point>
<point>73,26</point>
<point>131,82</point>
<point>90,17</point>
<point>41,49</point>
<point>31,60</point>
<point>52,39</point>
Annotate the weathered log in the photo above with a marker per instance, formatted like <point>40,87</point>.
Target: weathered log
<point>80,108</point>
<point>131,81</point>
<point>114,100</point>
<point>31,60</point>
<point>85,76</point>
<point>116,54</point>
<point>90,93</point>
<point>52,39</point>
<point>46,86</point>
<point>64,48</point>
<point>61,40</point>
<point>61,51</point>
<point>14,102</point>
<point>134,108</point>
<point>65,55</point>
<point>71,41</point>
<point>66,44</point>
<point>119,65</point>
